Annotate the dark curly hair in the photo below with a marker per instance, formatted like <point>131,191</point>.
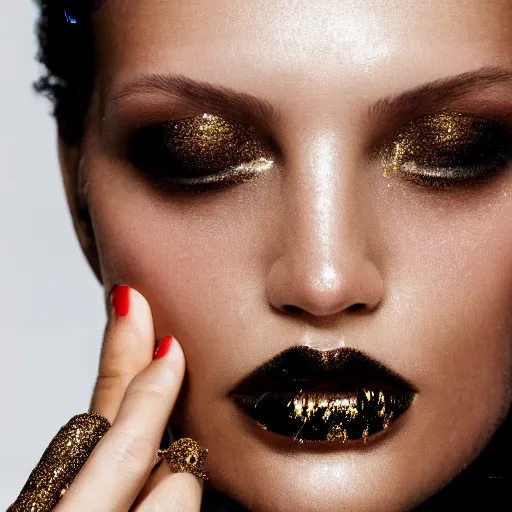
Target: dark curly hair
<point>66,50</point>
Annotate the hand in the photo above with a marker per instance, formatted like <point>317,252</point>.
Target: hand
<point>136,393</point>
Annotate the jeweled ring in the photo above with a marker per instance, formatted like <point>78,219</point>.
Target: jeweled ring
<point>60,463</point>
<point>186,456</point>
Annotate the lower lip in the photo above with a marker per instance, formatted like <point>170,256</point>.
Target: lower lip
<point>326,416</point>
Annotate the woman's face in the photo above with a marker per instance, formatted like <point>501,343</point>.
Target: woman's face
<point>362,199</point>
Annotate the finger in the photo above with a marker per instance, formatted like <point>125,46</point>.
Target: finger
<point>170,492</point>
<point>128,348</point>
<point>122,461</point>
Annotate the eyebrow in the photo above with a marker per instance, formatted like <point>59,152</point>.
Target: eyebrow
<point>212,98</point>
<point>431,95</point>
<point>219,99</point>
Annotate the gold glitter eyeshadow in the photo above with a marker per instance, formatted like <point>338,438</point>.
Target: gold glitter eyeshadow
<point>201,150</point>
<point>447,146</point>
<point>211,142</point>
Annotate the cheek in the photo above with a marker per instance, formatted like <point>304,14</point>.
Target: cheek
<point>199,261</point>
<point>450,282</point>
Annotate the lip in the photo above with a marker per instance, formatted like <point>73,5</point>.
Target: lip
<point>335,396</point>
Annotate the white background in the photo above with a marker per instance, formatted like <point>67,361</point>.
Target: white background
<point>51,311</point>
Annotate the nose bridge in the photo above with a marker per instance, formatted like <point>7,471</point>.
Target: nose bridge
<point>323,268</point>
<point>323,199</point>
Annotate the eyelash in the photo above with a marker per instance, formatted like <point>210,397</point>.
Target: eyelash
<point>207,153</point>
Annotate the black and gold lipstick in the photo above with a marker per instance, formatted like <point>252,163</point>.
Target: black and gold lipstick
<point>311,395</point>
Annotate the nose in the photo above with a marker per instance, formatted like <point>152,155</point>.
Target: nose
<point>324,265</point>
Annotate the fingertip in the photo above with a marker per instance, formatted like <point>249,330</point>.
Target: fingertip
<point>126,301</point>
<point>130,312</point>
<point>169,348</point>
<point>178,356</point>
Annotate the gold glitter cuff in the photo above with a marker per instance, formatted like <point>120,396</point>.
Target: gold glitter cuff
<point>60,463</point>
<point>186,456</point>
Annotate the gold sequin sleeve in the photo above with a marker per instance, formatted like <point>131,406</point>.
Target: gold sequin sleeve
<point>60,463</point>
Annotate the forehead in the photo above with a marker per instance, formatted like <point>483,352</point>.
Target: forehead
<point>353,47</point>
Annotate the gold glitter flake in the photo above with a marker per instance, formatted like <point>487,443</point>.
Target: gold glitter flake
<point>337,433</point>
<point>338,413</point>
<point>306,405</point>
<point>387,420</point>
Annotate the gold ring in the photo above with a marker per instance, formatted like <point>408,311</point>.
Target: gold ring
<point>60,463</point>
<point>186,456</point>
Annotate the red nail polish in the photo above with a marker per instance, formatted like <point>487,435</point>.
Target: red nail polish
<point>163,347</point>
<point>121,300</point>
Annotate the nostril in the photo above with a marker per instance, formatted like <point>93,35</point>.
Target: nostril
<point>290,308</point>
<point>356,307</point>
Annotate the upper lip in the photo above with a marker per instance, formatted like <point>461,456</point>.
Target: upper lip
<point>301,368</point>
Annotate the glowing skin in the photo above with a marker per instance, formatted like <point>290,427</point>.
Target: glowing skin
<point>321,249</point>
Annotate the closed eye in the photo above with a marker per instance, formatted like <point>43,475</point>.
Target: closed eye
<point>199,153</point>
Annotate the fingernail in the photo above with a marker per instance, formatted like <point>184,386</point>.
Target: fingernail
<point>121,300</point>
<point>163,347</point>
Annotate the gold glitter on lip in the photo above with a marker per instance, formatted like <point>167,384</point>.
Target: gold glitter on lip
<point>327,416</point>
<point>339,412</point>
<point>339,395</point>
